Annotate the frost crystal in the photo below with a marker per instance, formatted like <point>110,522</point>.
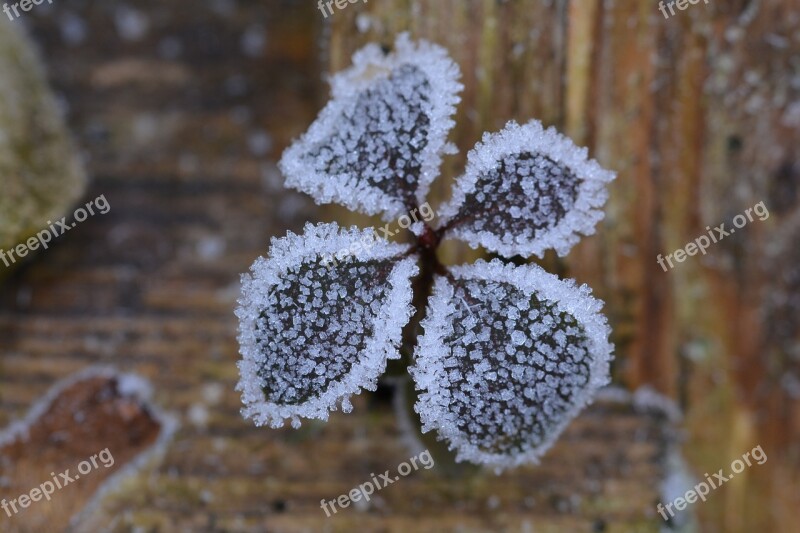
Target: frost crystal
<point>509,356</point>
<point>377,146</point>
<point>310,334</point>
<point>525,190</point>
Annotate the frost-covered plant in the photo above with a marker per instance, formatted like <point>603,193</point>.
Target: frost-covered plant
<point>509,353</point>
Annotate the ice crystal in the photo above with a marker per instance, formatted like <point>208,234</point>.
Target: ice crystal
<point>377,146</point>
<point>313,334</point>
<point>526,189</point>
<point>510,354</point>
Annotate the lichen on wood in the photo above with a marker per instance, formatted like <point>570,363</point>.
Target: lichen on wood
<point>40,172</point>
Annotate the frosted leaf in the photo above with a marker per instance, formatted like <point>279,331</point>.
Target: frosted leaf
<point>509,356</point>
<point>526,190</point>
<point>312,334</point>
<point>377,146</point>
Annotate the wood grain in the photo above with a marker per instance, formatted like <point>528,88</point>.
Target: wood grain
<point>151,286</point>
<point>698,114</point>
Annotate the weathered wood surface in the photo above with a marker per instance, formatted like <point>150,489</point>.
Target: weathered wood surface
<point>150,287</point>
<point>700,115</point>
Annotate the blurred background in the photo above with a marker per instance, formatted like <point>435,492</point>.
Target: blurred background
<point>178,112</point>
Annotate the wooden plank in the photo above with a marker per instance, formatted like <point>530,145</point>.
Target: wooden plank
<point>151,286</point>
